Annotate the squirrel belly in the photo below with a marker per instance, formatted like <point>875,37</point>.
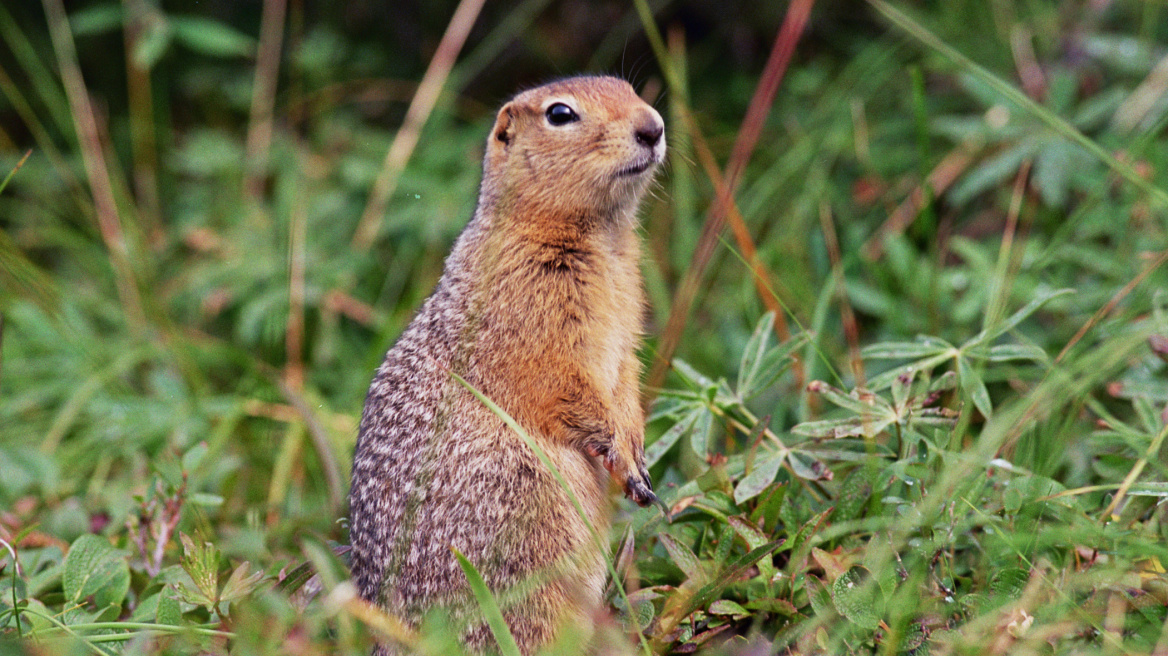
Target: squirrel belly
<point>539,309</point>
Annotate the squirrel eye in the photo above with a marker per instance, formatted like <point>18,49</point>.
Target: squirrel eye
<point>561,114</point>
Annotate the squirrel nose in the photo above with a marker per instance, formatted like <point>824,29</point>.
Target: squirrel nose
<point>649,134</point>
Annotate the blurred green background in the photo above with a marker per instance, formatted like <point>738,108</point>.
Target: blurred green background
<point>197,282</point>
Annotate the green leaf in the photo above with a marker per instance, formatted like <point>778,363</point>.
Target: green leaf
<point>296,578</point>
<point>692,376</point>
<point>241,583</point>
<point>973,384</point>
<point>751,534</point>
<point>854,493</point>
<point>868,405</point>
<point>1148,413</point>
<point>673,404</point>
<point>643,608</point>
<point>754,538</point>
<point>803,534</point>
<point>778,606</point>
<point>699,439</point>
<point>1148,490</point>
<point>1018,317</point>
<point>820,598</point>
<point>490,608</point>
<point>728,607</point>
<point>808,466</point>
<point>212,37</point>
<point>94,568</point>
<point>769,507</point>
<point>764,472</point>
<point>169,611</point>
<point>1009,582</point>
<point>730,574</point>
<point>206,500</point>
<point>661,445</point>
<point>152,44</point>
<point>97,19</point>
<point>857,597</point>
<point>926,364</point>
<point>1097,110</point>
<point>830,428</point>
<point>906,350</point>
<point>194,456</point>
<point>901,386</point>
<point>1053,168</point>
<point>946,382</point>
<point>752,353</point>
<point>991,172</point>
<point>201,563</point>
<point>683,558</point>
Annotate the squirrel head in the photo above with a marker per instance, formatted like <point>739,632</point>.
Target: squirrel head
<point>578,147</point>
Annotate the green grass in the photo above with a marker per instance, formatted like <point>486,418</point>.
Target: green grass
<point>950,438</point>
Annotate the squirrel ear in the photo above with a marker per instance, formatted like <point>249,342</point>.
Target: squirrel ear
<point>503,127</point>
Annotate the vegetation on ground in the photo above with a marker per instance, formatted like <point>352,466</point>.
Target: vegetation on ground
<point>907,354</point>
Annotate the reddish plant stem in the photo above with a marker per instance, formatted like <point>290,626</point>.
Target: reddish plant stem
<point>760,104</point>
<point>263,96</point>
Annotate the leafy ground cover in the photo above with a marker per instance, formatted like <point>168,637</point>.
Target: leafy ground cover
<point>917,393</point>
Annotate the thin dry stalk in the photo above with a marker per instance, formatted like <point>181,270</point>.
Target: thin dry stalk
<point>320,443</point>
<point>419,110</point>
<point>344,596</point>
<point>1113,623</point>
<point>998,296</point>
<point>1029,70</point>
<point>938,180</point>
<point>263,96</point>
<point>761,277</point>
<point>760,104</point>
<point>355,309</point>
<point>142,142</point>
<point>1134,474</point>
<point>294,329</point>
<point>85,122</point>
<point>1136,107</point>
<point>157,520</point>
<point>32,121</point>
<point>847,316</point>
<point>763,281</point>
<point>1035,408</point>
<point>3,185</point>
<point>1111,304</point>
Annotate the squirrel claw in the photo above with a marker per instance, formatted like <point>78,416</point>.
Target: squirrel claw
<point>640,491</point>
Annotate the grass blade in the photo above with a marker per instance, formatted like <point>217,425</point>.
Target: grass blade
<point>490,608</point>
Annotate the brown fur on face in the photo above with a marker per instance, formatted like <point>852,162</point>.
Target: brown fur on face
<point>539,308</point>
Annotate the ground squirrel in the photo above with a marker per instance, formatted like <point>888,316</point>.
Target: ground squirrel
<point>539,308</point>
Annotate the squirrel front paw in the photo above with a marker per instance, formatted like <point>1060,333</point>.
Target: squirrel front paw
<point>640,488</point>
<point>628,469</point>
